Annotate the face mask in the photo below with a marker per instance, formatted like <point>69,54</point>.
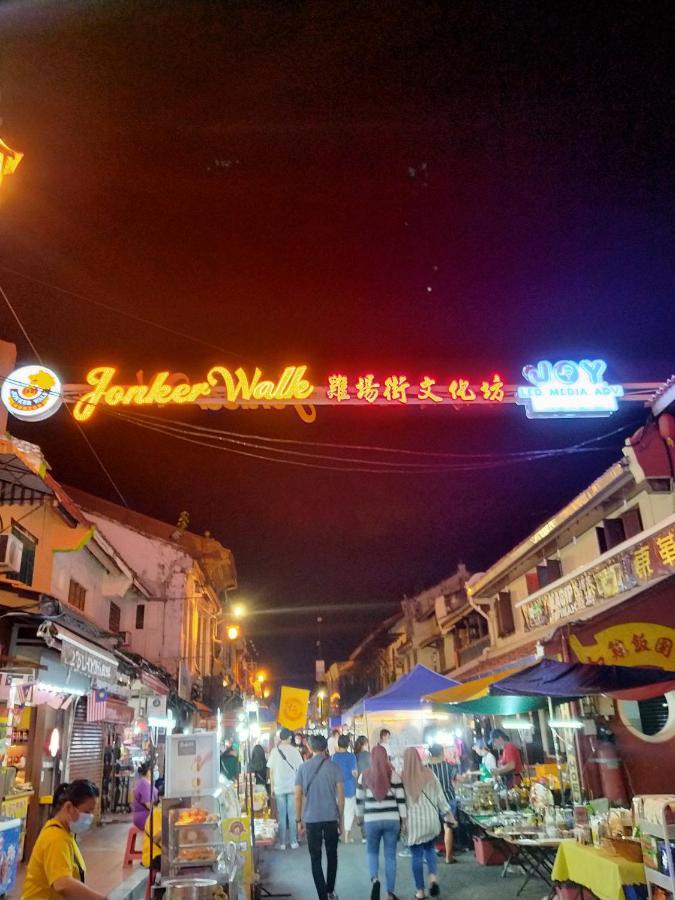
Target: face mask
<point>82,824</point>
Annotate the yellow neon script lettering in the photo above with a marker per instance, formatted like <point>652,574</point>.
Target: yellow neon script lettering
<point>292,386</point>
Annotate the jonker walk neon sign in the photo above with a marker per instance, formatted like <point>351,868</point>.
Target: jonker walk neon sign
<point>561,389</point>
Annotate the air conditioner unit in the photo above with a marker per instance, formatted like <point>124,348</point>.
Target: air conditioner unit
<point>157,707</point>
<point>11,551</point>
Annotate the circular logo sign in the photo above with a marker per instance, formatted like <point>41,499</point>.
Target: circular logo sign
<point>31,393</point>
<point>292,709</point>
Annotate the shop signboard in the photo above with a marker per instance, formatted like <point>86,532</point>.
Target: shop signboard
<point>629,644</point>
<point>89,662</point>
<point>237,830</point>
<point>192,764</point>
<point>639,565</point>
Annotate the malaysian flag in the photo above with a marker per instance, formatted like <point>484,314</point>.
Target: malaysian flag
<point>96,705</point>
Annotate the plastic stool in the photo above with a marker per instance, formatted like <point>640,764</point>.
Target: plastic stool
<point>131,853</point>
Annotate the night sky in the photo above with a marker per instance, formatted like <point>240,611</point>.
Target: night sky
<point>399,187</point>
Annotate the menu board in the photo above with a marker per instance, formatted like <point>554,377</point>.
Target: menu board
<point>192,764</point>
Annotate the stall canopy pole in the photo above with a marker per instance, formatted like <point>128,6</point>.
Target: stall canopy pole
<point>556,748</point>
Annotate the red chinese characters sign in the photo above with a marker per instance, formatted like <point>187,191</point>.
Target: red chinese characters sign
<point>393,389</point>
<point>636,566</point>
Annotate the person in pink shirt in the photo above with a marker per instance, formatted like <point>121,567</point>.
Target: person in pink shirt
<point>143,797</point>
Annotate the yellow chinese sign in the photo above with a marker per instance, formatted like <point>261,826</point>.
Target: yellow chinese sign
<point>630,644</point>
<point>293,708</point>
<point>644,562</point>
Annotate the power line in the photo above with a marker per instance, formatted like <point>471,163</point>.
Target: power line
<point>326,463</point>
<point>208,432</point>
<point>120,312</point>
<point>77,424</point>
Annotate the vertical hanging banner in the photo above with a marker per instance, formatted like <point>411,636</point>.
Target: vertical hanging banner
<point>293,707</point>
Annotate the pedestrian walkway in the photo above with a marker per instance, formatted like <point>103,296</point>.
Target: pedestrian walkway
<point>289,872</point>
<point>103,850</point>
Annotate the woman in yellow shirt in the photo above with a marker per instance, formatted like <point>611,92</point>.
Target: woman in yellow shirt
<point>156,840</point>
<point>56,868</point>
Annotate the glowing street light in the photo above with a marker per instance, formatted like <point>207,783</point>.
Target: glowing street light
<point>239,610</point>
<point>262,677</point>
<point>233,632</point>
<point>9,159</point>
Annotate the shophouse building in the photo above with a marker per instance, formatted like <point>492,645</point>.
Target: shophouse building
<point>596,583</point>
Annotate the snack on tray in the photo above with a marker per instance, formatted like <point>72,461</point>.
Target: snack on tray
<point>193,854</point>
<point>195,816</point>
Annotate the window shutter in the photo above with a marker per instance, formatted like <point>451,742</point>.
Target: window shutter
<point>505,622</point>
<point>532,579</point>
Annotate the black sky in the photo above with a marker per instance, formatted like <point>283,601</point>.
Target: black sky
<point>285,182</point>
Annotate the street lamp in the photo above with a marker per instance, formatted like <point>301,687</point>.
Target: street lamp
<point>9,159</point>
<point>233,632</point>
<point>262,677</point>
<point>239,610</point>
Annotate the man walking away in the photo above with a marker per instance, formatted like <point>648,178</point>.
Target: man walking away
<point>333,742</point>
<point>283,763</point>
<point>347,763</point>
<point>319,810</point>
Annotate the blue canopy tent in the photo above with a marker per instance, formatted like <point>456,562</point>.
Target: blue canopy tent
<point>408,691</point>
<point>550,678</point>
<point>404,695</point>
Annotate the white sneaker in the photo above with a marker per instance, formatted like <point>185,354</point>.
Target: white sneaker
<point>281,847</point>
<point>295,845</point>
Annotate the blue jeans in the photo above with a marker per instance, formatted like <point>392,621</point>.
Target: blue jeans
<point>388,833</point>
<point>420,854</point>
<point>286,809</point>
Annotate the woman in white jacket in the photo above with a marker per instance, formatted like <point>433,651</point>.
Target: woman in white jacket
<point>427,805</point>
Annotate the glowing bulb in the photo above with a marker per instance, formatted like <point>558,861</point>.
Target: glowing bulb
<point>239,610</point>
<point>233,632</point>
<point>261,676</point>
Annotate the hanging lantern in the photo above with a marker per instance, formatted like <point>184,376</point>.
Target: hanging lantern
<point>667,428</point>
<point>9,159</point>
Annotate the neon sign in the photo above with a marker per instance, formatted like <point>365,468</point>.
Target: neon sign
<point>561,389</point>
<point>31,393</point>
<point>291,387</point>
<point>566,389</point>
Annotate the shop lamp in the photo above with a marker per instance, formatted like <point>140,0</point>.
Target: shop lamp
<point>517,725</point>
<point>54,742</point>
<point>565,723</point>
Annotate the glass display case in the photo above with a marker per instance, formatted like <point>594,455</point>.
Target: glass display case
<point>196,836</point>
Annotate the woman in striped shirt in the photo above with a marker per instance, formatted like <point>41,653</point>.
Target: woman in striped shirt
<point>427,804</point>
<point>380,803</point>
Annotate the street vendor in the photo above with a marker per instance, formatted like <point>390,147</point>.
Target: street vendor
<point>510,762</point>
<point>488,763</point>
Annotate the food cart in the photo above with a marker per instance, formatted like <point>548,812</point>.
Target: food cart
<point>204,839</point>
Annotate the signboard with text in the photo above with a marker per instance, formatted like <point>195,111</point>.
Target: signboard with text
<point>637,566</point>
<point>89,663</point>
<point>192,764</point>
<point>564,388</point>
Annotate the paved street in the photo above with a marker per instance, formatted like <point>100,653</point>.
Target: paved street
<point>289,871</point>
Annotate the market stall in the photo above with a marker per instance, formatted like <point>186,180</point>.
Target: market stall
<point>402,709</point>
<point>203,837</point>
<point>553,841</point>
